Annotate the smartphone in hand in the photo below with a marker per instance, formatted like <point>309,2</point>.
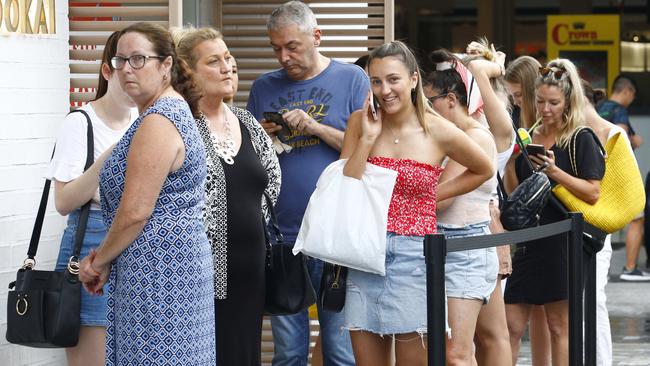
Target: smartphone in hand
<point>276,118</point>
<point>373,106</point>
<point>533,149</point>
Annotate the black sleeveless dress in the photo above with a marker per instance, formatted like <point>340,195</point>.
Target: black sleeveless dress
<point>239,316</point>
<point>540,267</point>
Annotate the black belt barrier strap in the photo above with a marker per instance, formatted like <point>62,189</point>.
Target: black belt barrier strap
<point>435,251</point>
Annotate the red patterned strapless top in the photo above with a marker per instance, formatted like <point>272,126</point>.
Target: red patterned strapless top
<point>412,209</point>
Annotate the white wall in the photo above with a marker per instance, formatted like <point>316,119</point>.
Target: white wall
<point>33,100</point>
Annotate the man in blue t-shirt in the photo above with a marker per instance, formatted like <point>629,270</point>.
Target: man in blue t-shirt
<point>615,110</point>
<point>315,96</point>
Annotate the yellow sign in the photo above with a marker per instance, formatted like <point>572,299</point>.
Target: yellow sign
<point>592,42</point>
<point>27,16</point>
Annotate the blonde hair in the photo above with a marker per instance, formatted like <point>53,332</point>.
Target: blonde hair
<point>569,83</point>
<point>524,71</point>
<point>402,52</point>
<point>186,39</point>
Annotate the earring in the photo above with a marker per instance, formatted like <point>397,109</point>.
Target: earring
<point>565,117</point>
<point>165,77</point>
<point>413,96</point>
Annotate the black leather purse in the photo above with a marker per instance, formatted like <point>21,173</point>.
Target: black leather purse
<point>332,287</point>
<point>43,306</point>
<point>288,285</point>
<point>523,207</point>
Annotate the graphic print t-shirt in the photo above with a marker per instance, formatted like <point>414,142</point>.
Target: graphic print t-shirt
<point>328,98</point>
<point>615,113</point>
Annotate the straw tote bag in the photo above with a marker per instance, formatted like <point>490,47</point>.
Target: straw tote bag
<point>622,196</point>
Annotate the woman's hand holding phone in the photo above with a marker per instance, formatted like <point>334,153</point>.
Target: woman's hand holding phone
<point>543,160</point>
<point>371,120</point>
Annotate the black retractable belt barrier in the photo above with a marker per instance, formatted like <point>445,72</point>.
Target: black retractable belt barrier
<point>435,251</point>
<point>575,290</point>
<point>590,309</point>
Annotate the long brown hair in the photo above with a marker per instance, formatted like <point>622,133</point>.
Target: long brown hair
<point>402,52</point>
<point>109,51</point>
<point>163,45</point>
<point>523,71</point>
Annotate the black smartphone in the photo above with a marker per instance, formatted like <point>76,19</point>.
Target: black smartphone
<point>533,149</point>
<point>276,118</point>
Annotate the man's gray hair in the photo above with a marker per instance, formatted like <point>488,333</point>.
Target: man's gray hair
<point>293,13</point>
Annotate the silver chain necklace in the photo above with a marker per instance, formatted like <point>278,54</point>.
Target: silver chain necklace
<point>224,147</point>
<point>396,140</point>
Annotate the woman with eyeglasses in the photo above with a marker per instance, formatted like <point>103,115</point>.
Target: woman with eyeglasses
<point>539,275</point>
<point>156,255</point>
<point>110,114</point>
<point>470,275</point>
<point>242,165</point>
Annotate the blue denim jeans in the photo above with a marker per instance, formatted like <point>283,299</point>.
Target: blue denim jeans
<point>291,333</point>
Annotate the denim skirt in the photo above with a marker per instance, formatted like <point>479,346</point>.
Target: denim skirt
<point>93,307</point>
<point>470,274</point>
<point>395,303</point>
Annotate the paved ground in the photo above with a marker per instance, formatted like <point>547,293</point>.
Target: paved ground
<point>629,311</point>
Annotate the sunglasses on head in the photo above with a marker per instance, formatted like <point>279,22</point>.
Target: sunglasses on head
<point>546,71</point>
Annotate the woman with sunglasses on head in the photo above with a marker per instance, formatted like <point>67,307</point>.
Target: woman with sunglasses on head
<point>409,137</point>
<point>111,113</point>
<point>470,275</point>
<point>237,180</point>
<point>539,274</point>
<point>156,254</point>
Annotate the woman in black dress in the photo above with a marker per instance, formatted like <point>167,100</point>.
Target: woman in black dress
<point>241,166</point>
<point>539,275</point>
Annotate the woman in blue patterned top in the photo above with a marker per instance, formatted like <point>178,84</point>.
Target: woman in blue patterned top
<point>156,254</point>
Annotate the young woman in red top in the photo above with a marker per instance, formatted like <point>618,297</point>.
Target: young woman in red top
<point>409,137</point>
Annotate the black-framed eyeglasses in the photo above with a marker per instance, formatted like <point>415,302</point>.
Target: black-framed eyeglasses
<point>443,95</point>
<point>546,71</point>
<point>136,61</point>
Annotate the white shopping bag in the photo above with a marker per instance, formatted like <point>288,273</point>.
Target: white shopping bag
<point>345,221</point>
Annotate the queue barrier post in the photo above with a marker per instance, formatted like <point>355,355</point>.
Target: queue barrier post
<point>435,251</point>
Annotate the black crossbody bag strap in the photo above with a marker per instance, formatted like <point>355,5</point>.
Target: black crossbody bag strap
<point>85,209</point>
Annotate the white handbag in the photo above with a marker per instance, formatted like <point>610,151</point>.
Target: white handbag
<point>345,221</point>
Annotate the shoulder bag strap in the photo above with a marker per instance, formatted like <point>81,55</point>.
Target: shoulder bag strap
<point>501,190</point>
<point>83,218</point>
<point>523,148</point>
<point>273,223</point>
<point>573,143</point>
<point>85,209</point>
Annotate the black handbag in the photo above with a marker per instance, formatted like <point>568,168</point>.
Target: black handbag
<point>523,207</point>
<point>288,285</point>
<point>43,306</point>
<point>332,287</point>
